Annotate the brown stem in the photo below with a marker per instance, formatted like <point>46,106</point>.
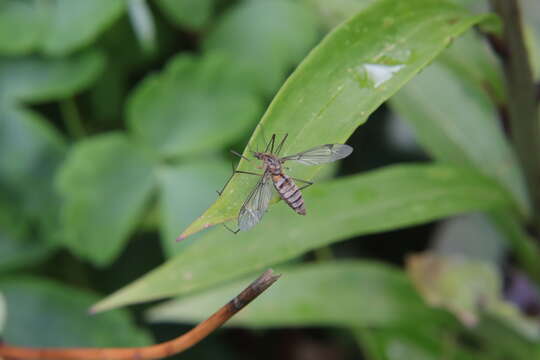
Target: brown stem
<point>157,351</point>
<point>522,105</point>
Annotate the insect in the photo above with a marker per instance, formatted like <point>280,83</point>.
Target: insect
<point>258,200</point>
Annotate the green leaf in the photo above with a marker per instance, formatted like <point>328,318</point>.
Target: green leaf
<point>193,14</point>
<point>21,26</point>
<point>266,52</point>
<point>480,68</point>
<point>456,123</point>
<point>363,294</point>
<point>44,313</point>
<point>382,200</point>
<point>459,134</point>
<point>185,191</point>
<point>105,183</point>
<point>32,151</point>
<point>353,71</point>
<point>55,27</point>
<point>29,145</point>
<point>194,105</point>
<point>36,78</point>
<point>74,24</point>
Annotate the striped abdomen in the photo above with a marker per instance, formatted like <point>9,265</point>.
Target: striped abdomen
<point>289,192</point>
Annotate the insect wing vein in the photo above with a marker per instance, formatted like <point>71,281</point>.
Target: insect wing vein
<point>321,154</point>
<point>256,203</point>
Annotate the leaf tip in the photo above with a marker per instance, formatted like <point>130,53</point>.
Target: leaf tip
<point>181,237</point>
<point>192,229</point>
<point>101,306</point>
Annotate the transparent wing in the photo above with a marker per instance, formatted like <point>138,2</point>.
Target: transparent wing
<point>321,154</point>
<point>256,204</point>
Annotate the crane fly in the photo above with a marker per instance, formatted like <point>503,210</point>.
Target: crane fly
<point>258,200</point>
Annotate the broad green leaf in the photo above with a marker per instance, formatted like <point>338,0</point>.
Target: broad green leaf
<point>45,313</point>
<point>456,123</point>
<point>56,27</point>
<point>364,294</point>
<point>266,52</point>
<point>467,287</point>
<point>344,79</point>
<point>458,134</point>
<point>74,24</point>
<point>185,191</point>
<point>105,184</point>
<point>195,104</point>
<point>480,68</point>
<point>21,26</point>
<point>30,148</point>
<point>193,14</point>
<point>382,200</point>
<point>36,78</point>
<point>32,151</point>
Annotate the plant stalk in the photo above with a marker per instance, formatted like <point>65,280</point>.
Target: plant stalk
<point>72,119</point>
<point>522,103</point>
<point>158,351</point>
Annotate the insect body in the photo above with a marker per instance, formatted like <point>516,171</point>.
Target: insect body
<point>285,186</point>
<point>258,200</point>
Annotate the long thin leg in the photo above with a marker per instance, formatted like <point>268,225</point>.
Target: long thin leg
<point>231,230</point>
<point>278,150</point>
<point>239,155</point>
<point>238,172</point>
<point>228,180</point>
<point>308,183</point>
<point>234,171</point>
<point>270,145</point>
<point>247,172</point>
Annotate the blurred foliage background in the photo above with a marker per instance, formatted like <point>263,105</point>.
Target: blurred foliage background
<point>116,117</point>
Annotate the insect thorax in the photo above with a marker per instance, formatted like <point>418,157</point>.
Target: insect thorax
<point>272,163</point>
